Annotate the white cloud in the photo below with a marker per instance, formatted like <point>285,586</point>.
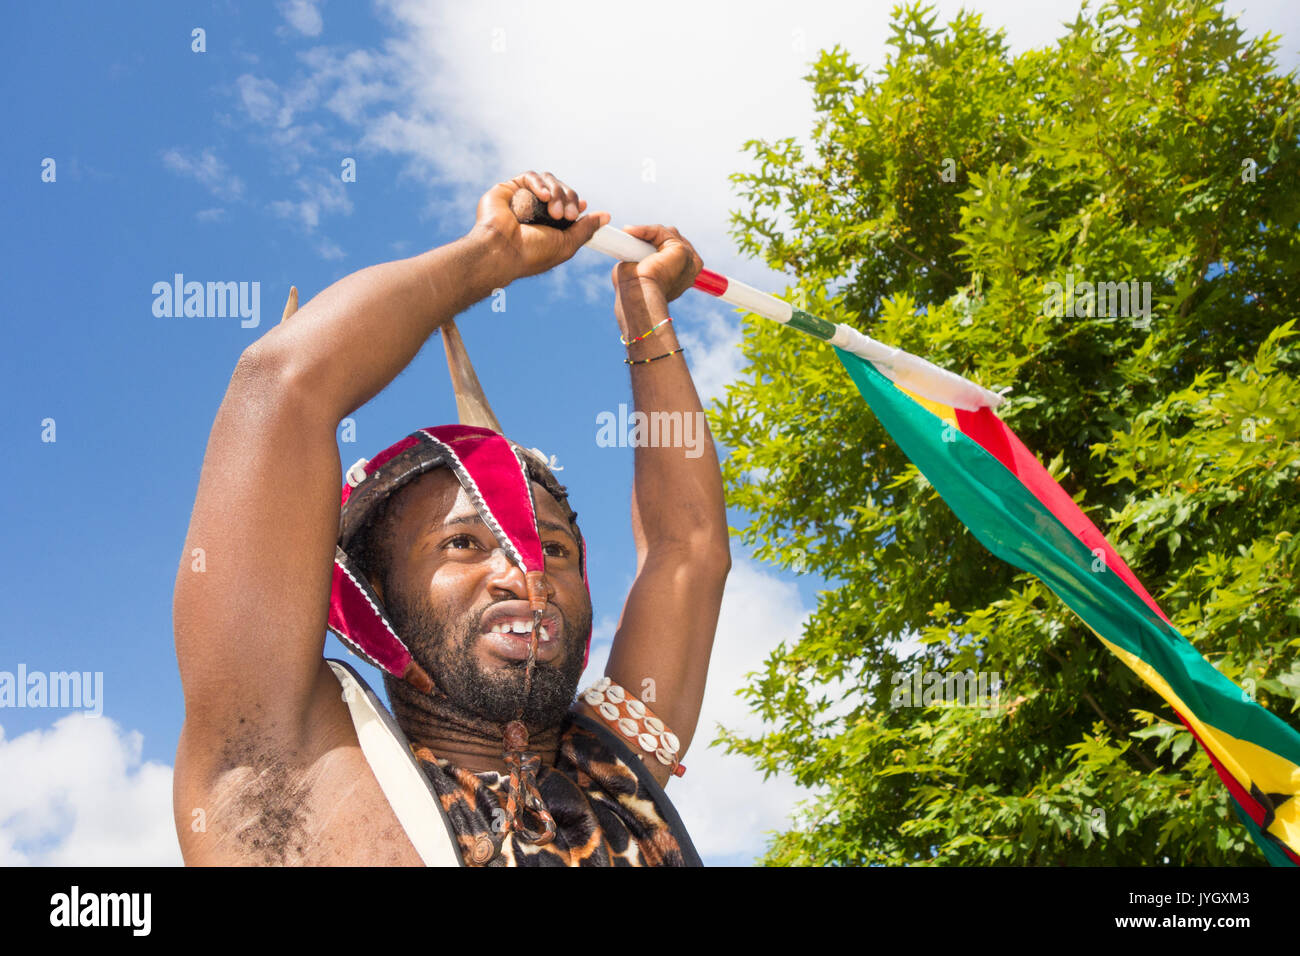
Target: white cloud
<point>322,194</point>
<point>435,150</point>
<point>330,251</point>
<point>210,215</point>
<point>205,169</point>
<point>907,644</point>
<point>359,79</point>
<point>596,285</point>
<point>258,97</point>
<point>304,16</point>
<point>723,800</point>
<point>645,119</point>
<point>85,798</point>
<point>654,150</point>
<point>275,109</point>
<point>711,336</point>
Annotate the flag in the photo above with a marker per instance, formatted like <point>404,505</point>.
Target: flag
<point>946,425</point>
<point>998,489</point>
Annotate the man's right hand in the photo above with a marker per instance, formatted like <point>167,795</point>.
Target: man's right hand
<point>534,249</point>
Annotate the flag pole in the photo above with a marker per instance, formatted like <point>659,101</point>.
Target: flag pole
<point>909,371</point>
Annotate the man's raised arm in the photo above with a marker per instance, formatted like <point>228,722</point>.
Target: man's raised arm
<point>250,627</point>
<point>679,512</point>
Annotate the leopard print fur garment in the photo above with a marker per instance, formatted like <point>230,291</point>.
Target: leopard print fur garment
<point>608,810</point>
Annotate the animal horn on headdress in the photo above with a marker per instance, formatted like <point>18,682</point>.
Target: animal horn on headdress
<point>472,406</point>
<point>291,306</point>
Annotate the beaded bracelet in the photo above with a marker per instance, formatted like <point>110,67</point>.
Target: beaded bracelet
<point>655,358</point>
<point>643,335</point>
<point>635,721</point>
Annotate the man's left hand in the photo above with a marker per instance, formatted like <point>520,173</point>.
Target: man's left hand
<point>671,270</point>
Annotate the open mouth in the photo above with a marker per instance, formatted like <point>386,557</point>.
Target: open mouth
<point>508,628</point>
<point>521,628</point>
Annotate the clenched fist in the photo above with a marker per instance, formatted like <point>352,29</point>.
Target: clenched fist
<point>665,275</point>
<point>530,250</point>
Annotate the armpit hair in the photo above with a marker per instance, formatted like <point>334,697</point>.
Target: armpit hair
<point>260,800</point>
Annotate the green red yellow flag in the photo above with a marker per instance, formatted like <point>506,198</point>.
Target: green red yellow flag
<point>998,489</point>
<point>945,424</point>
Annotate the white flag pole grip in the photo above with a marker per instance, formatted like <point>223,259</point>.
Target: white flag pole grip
<point>618,244</point>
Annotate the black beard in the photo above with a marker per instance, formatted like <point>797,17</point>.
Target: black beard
<point>444,647</point>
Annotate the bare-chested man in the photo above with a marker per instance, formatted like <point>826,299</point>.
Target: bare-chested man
<point>283,758</point>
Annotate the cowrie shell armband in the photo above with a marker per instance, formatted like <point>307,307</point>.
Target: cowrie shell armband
<point>635,723</point>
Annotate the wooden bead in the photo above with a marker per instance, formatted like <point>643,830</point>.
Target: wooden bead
<point>483,850</point>
<point>515,736</point>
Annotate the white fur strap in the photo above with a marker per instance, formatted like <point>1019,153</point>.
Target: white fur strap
<point>400,778</point>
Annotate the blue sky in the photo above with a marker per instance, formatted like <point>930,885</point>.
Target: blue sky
<point>161,167</point>
<point>224,165</point>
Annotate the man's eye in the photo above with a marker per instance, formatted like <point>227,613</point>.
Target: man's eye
<point>462,542</point>
<point>558,550</point>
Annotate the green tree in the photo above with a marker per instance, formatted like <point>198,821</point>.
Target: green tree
<point>1153,143</point>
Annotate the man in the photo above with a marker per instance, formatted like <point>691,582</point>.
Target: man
<point>286,758</point>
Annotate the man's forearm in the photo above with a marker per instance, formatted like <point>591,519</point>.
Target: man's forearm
<point>344,346</point>
<point>677,499</point>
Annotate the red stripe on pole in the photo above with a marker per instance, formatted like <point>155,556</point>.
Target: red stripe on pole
<point>711,282</point>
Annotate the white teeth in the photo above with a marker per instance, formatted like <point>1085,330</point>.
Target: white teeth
<point>520,627</point>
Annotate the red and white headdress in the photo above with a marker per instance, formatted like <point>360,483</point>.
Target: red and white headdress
<point>496,472</point>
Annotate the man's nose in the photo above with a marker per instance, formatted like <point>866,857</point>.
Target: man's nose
<point>505,575</point>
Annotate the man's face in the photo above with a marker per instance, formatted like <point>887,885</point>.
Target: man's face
<point>456,600</point>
